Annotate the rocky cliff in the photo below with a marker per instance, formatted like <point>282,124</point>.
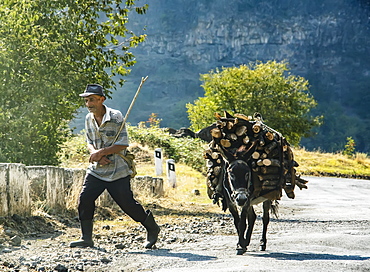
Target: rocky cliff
<point>325,41</point>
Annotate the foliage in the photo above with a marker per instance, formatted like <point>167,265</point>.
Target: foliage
<point>283,99</point>
<point>74,152</point>
<point>185,150</point>
<point>349,148</point>
<point>154,121</point>
<point>49,51</point>
<point>336,128</point>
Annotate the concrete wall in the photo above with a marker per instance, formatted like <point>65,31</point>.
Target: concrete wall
<point>57,188</point>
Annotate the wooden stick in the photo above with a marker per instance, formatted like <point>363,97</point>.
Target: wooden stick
<point>130,107</point>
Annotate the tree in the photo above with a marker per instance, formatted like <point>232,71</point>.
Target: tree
<point>49,51</point>
<point>349,148</point>
<point>283,100</point>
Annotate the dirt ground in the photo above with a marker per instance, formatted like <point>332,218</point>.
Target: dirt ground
<point>325,228</point>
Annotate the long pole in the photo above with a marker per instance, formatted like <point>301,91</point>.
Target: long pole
<point>143,79</point>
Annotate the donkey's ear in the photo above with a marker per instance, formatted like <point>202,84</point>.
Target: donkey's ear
<point>228,115</point>
<point>228,156</point>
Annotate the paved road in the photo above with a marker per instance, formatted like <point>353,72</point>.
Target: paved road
<point>325,228</point>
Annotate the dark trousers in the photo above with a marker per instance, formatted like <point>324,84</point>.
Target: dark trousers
<point>120,190</point>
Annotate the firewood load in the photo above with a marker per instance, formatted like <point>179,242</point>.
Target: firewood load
<point>266,151</point>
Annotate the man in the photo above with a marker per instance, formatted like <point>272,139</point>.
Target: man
<point>107,169</point>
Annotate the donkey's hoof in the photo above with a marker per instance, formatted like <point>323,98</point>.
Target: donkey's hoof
<point>240,251</point>
<point>262,247</point>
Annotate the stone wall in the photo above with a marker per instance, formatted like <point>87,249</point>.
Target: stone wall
<point>57,188</point>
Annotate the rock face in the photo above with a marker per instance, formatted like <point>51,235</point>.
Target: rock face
<point>325,41</point>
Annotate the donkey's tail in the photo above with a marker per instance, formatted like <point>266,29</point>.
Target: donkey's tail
<point>275,208</point>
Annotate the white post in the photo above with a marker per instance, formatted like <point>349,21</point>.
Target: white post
<point>171,175</point>
<point>158,161</point>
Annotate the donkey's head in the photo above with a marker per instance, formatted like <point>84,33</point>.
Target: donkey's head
<point>239,179</point>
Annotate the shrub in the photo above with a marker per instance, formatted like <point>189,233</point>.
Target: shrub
<point>185,150</point>
<point>349,148</point>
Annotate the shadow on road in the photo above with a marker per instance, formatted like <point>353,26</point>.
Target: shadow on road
<point>297,256</point>
<point>168,253</point>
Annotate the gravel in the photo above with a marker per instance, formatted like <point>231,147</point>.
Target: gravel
<point>326,228</point>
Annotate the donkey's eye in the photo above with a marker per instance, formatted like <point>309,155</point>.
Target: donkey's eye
<point>232,176</point>
<point>247,176</point>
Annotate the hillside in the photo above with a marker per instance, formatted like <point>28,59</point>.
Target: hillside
<point>324,41</point>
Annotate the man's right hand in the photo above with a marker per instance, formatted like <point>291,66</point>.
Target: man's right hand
<point>104,161</point>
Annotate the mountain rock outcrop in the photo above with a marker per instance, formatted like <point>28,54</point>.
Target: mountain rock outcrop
<point>324,41</point>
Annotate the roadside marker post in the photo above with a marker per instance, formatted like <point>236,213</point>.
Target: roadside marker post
<point>158,161</point>
<point>171,174</point>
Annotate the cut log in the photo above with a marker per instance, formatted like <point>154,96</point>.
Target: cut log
<point>225,143</point>
<point>215,155</point>
<point>241,131</point>
<point>217,115</point>
<point>217,170</point>
<point>256,128</point>
<point>241,149</point>
<point>214,182</point>
<point>246,139</point>
<point>271,146</point>
<point>261,140</point>
<point>301,185</point>
<point>268,177</point>
<point>216,133</point>
<point>242,116</point>
<point>269,135</point>
<point>274,154</point>
<point>289,152</point>
<point>272,187</point>
<point>209,183</point>
<point>271,162</point>
<point>300,182</point>
<point>229,125</point>
<point>260,162</point>
<point>256,169</point>
<point>255,155</point>
<point>272,182</point>
<point>289,191</point>
<point>263,156</point>
<point>232,136</point>
<point>270,170</point>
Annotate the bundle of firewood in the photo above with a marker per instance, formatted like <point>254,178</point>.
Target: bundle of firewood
<point>266,151</point>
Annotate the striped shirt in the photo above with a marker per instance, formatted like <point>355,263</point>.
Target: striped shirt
<point>104,136</point>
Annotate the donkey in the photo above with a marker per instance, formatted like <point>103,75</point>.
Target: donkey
<point>237,196</point>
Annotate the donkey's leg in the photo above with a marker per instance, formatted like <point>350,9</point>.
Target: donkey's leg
<point>242,227</point>
<point>251,220</point>
<point>235,214</point>
<point>265,220</point>
<point>240,249</point>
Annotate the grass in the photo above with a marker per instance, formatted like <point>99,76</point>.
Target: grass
<point>330,164</point>
<point>182,196</point>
